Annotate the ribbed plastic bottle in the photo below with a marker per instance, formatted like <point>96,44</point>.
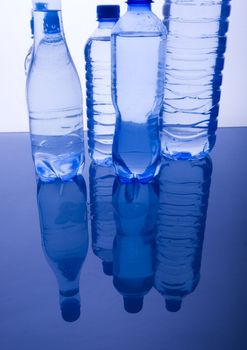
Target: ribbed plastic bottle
<point>103,225</point>
<point>196,44</point>
<point>54,98</point>
<point>135,207</point>
<point>138,54</point>
<point>64,233</point>
<point>184,192</point>
<point>101,116</point>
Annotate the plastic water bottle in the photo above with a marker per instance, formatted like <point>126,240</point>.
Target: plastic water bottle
<point>138,54</point>
<point>54,98</point>
<point>103,225</point>
<point>196,44</point>
<point>28,58</point>
<point>100,111</point>
<point>184,192</point>
<point>64,233</point>
<point>135,207</point>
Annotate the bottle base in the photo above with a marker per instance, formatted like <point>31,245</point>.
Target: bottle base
<point>49,170</point>
<point>187,149</point>
<point>128,177</point>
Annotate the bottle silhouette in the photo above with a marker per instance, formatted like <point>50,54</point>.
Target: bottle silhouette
<point>135,207</point>
<point>184,192</point>
<point>138,55</point>
<point>102,217</point>
<point>54,98</point>
<point>100,111</point>
<point>196,44</point>
<point>64,234</point>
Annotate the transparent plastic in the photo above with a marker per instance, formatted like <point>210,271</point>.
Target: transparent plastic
<point>183,203</point>
<point>101,116</point>
<point>135,207</point>
<point>54,100</point>
<point>103,225</point>
<point>64,233</point>
<point>138,54</point>
<point>196,44</point>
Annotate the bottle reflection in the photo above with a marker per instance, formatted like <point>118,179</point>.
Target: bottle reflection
<point>64,233</point>
<point>102,217</point>
<point>184,192</point>
<point>135,207</point>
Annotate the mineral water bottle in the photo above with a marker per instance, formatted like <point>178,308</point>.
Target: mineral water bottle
<point>184,192</point>
<point>54,98</point>
<point>64,235</point>
<point>196,44</point>
<point>28,58</point>
<point>100,111</point>
<point>102,217</point>
<point>138,54</point>
<point>135,207</point>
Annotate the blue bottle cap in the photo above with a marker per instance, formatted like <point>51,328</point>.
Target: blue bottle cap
<point>51,23</point>
<point>133,304</point>
<point>173,305</point>
<point>139,1</point>
<point>70,310</point>
<point>106,12</point>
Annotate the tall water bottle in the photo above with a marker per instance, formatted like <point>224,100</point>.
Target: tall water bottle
<point>135,207</point>
<point>54,98</point>
<point>28,58</point>
<point>184,192</point>
<point>100,111</point>
<point>103,225</point>
<point>196,44</point>
<point>64,234</point>
<point>138,54</point>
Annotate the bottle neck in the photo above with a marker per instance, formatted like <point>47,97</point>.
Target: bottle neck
<point>47,26</point>
<point>137,7</point>
<point>107,24</point>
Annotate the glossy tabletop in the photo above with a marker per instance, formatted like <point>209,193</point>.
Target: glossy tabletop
<point>187,227</point>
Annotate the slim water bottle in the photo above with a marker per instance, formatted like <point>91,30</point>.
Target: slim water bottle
<point>54,98</point>
<point>64,234</point>
<point>184,192</point>
<point>196,44</point>
<point>102,216</point>
<point>100,111</point>
<point>28,58</point>
<point>138,54</point>
<point>135,207</point>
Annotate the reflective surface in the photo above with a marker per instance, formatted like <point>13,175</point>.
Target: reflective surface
<point>173,253</point>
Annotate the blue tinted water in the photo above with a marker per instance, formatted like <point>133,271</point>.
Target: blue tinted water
<point>100,111</point>
<point>138,49</point>
<point>64,234</point>
<point>102,216</point>
<point>184,192</point>
<point>54,100</point>
<point>135,207</point>
<point>196,44</point>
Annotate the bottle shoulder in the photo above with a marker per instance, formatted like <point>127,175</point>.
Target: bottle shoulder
<point>145,21</point>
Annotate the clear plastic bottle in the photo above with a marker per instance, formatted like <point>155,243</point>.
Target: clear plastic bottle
<point>196,44</point>
<point>64,233</point>
<point>135,207</point>
<point>138,55</point>
<point>54,98</point>
<point>100,111</point>
<point>28,58</point>
<point>184,192</point>
<point>102,216</point>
